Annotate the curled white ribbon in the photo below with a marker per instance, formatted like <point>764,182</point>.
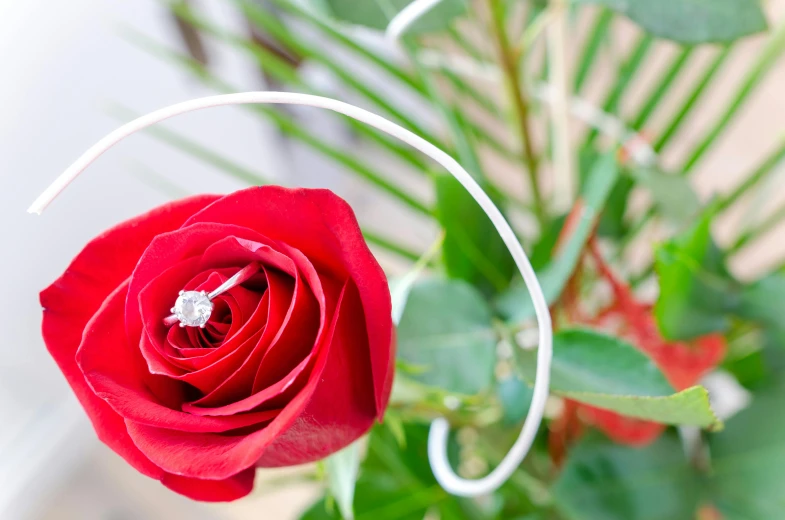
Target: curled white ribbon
<point>437,439</point>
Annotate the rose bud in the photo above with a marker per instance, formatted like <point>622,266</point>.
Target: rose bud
<point>292,364</point>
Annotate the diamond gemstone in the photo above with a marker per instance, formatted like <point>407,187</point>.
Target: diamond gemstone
<point>193,309</point>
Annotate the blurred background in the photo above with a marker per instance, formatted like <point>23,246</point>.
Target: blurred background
<point>72,71</point>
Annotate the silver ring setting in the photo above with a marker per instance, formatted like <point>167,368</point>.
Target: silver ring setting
<point>194,308</point>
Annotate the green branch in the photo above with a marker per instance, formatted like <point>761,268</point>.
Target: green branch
<point>509,66</point>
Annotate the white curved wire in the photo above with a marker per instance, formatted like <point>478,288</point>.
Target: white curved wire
<point>407,16</point>
<point>437,439</point>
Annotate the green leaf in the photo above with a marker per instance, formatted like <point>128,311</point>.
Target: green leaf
<point>689,407</point>
<point>447,330</point>
<point>586,361</point>
<point>359,48</point>
<point>319,511</point>
<point>690,101</point>
<point>696,292</point>
<point>286,124</point>
<point>378,13</point>
<point>754,178</point>
<point>515,397</point>
<point>516,304</point>
<point>342,469</point>
<point>591,47</point>
<point>692,21</point>
<point>611,222</point>
<point>672,194</point>
<point>606,481</point>
<point>748,461</point>
<point>197,150</point>
<point>396,483</point>
<point>287,73</point>
<point>625,74</point>
<point>765,59</point>
<point>764,301</point>
<point>265,20</point>
<point>609,373</point>
<point>473,250</point>
<point>658,91</point>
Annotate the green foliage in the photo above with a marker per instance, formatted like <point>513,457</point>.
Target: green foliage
<point>516,304</point>
<point>748,460</point>
<point>378,13</point>
<point>672,194</point>
<point>515,397</point>
<point>342,470</point>
<point>473,250</point>
<point>462,306</point>
<point>696,292</point>
<point>692,21</point>
<point>586,362</point>
<point>603,371</point>
<point>446,330</point>
<point>396,483</point>
<point>605,481</point>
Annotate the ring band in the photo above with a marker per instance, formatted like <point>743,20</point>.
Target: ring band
<point>193,308</point>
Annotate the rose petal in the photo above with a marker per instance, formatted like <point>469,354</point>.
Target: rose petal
<point>70,302</point>
<point>324,228</point>
<point>342,407</point>
<point>226,490</point>
<point>274,396</point>
<point>208,455</point>
<point>294,340</point>
<point>224,371</point>
<point>238,383</point>
<point>117,373</point>
<point>252,320</point>
<point>154,307</point>
<point>191,241</point>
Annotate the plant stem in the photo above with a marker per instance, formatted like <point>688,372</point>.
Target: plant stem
<point>766,59</point>
<point>509,66</point>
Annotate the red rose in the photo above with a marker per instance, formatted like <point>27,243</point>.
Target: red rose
<point>293,364</point>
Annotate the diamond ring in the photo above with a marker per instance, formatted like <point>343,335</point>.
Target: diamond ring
<point>193,308</point>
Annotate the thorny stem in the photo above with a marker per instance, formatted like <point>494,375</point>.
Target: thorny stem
<point>509,65</point>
